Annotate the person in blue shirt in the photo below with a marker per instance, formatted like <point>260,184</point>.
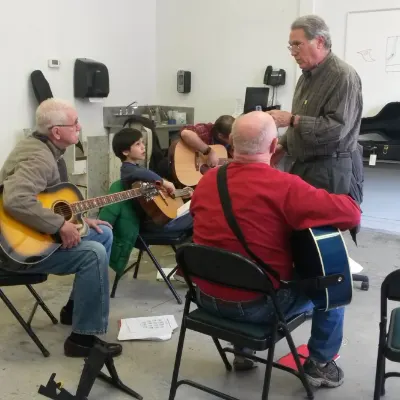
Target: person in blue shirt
<point>129,147</point>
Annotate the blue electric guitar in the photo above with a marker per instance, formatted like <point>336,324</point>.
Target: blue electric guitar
<point>321,252</point>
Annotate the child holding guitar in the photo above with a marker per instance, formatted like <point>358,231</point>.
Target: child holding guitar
<point>129,147</point>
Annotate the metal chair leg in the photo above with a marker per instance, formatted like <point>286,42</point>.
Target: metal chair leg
<point>42,304</point>
<point>268,367</point>
<point>380,375</point>
<point>162,273</point>
<point>27,328</point>
<point>172,273</point>
<point>178,358</point>
<point>299,366</point>
<point>137,264</point>
<point>221,352</point>
<point>33,312</point>
<point>383,377</point>
<point>115,285</point>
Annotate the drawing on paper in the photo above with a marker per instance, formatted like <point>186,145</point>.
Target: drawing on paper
<point>366,55</point>
<point>393,54</point>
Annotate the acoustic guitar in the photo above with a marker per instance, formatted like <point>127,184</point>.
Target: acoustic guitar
<point>321,253</point>
<point>163,207</point>
<point>24,245</point>
<point>189,166</point>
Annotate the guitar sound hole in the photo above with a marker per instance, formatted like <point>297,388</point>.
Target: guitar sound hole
<point>64,209</point>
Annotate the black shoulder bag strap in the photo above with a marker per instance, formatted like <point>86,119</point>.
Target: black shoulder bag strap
<point>222,182</point>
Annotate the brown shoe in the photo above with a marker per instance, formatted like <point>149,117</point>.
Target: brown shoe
<point>72,349</point>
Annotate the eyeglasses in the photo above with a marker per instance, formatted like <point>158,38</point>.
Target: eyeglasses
<point>295,47</point>
<point>74,125</point>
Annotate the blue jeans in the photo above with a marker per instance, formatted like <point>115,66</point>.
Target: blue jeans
<point>89,262</point>
<point>181,224</point>
<point>327,327</point>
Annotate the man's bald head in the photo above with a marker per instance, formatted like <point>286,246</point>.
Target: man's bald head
<point>254,133</point>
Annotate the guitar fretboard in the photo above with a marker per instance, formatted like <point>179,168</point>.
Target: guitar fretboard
<point>86,205</point>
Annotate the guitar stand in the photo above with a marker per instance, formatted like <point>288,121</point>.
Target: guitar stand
<point>91,371</point>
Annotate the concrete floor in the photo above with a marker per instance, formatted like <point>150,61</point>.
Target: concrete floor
<point>147,366</point>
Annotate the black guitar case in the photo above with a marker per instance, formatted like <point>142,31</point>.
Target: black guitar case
<point>42,91</point>
<point>383,133</point>
<point>40,86</point>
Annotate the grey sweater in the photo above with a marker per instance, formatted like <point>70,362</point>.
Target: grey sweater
<point>29,169</point>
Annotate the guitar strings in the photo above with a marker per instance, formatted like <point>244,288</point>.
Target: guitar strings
<point>66,210</point>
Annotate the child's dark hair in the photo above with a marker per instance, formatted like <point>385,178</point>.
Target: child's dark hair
<point>123,140</point>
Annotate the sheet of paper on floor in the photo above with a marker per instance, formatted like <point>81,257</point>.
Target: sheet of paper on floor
<point>355,267</point>
<point>167,270</point>
<point>156,328</point>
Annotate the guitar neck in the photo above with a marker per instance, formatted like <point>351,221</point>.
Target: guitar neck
<point>86,205</point>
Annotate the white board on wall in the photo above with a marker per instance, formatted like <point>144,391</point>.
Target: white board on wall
<point>373,49</point>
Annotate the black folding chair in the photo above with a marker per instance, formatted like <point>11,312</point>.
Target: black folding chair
<point>143,243</point>
<point>389,340</point>
<point>234,271</point>
<point>8,278</point>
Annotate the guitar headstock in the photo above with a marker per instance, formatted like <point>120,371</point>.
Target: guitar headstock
<point>148,190</point>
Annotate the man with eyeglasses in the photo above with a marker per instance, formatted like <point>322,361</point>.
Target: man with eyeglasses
<point>324,124</point>
<point>34,165</point>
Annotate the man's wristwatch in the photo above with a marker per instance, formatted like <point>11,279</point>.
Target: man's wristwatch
<point>208,151</point>
<point>292,120</point>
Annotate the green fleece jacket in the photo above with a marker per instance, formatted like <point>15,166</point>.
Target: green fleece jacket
<point>125,224</point>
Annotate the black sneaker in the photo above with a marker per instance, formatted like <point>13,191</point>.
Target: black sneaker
<point>329,376</point>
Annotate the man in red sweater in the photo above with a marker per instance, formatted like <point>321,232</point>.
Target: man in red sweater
<point>269,205</point>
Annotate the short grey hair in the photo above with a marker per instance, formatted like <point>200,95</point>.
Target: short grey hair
<point>251,146</point>
<point>52,112</point>
<point>313,26</point>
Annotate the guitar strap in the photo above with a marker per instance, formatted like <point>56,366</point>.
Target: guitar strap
<point>222,182</point>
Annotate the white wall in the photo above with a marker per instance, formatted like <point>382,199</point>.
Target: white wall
<point>226,44</point>
<point>120,34</point>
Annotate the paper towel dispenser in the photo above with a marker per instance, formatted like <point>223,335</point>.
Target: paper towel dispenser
<point>91,79</point>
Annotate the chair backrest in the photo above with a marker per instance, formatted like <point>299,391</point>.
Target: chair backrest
<point>222,267</point>
<point>390,288</point>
